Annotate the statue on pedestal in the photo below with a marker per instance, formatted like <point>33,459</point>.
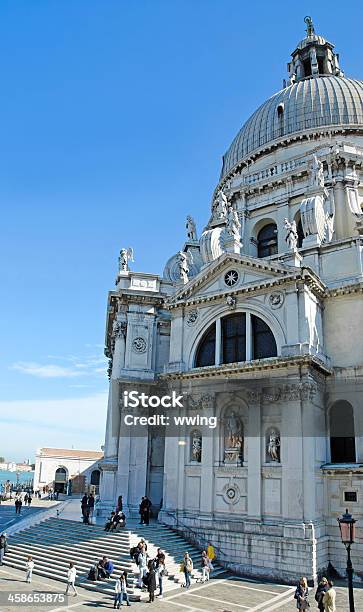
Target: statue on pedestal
<point>220,206</point>
<point>184,259</point>
<point>191,229</point>
<point>317,173</point>
<point>273,447</point>
<point>291,234</point>
<point>233,226</point>
<point>126,255</point>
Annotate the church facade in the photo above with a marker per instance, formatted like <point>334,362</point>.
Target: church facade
<point>257,325</point>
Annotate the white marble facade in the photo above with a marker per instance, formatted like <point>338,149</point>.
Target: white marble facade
<point>259,323</point>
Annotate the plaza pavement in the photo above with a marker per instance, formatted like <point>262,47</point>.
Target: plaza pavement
<point>227,594</point>
<point>8,518</point>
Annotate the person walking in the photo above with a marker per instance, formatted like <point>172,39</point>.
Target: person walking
<point>150,580</point>
<point>329,598</point>
<point>29,566</point>
<point>187,569</point>
<point>30,499</point>
<point>3,546</point>
<point>302,595</point>
<point>84,504</point>
<point>160,573</point>
<point>71,578</point>
<point>211,555</point>
<point>121,586</point>
<point>142,564</point>
<point>26,498</point>
<point>205,566</point>
<point>320,591</point>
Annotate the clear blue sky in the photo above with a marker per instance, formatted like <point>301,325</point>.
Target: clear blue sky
<point>114,117</point>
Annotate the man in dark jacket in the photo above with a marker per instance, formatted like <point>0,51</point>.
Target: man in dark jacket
<point>320,592</point>
<point>84,505</point>
<point>3,547</point>
<point>150,581</point>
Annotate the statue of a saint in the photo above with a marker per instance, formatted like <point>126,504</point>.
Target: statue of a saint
<point>233,223</point>
<point>126,255</point>
<point>291,234</point>
<point>221,205</point>
<point>191,228</point>
<point>183,264</point>
<point>273,447</point>
<point>233,437</point>
<point>196,447</point>
<point>317,173</point>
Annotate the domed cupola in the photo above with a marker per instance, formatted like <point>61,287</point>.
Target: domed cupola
<point>313,56</point>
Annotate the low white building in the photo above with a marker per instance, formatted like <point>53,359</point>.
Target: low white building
<point>258,323</point>
<point>66,470</point>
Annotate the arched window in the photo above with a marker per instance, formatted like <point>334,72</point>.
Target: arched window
<point>95,478</point>
<point>280,120</point>
<point>342,435</point>
<point>234,338</point>
<point>236,344</point>
<point>267,240</point>
<point>207,349</point>
<point>264,343</point>
<point>61,475</point>
<point>196,443</point>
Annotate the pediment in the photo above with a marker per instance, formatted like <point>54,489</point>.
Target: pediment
<point>218,276</point>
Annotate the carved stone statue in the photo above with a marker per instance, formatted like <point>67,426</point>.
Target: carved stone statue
<point>184,259</point>
<point>310,31</point>
<point>273,446</point>
<point>317,173</point>
<point>191,228</point>
<point>126,255</point>
<point>291,234</point>
<point>196,447</point>
<point>233,438</point>
<point>221,205</point>
<point>233,223</point>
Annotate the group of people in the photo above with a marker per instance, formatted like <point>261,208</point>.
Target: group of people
<point>101,570</point>
<point>151,570</point>
<point>115,520</point>
<point>87,508</point>
<point>325,595</point>
<point>19,502</point>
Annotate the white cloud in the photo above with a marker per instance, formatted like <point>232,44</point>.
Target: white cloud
<point>50,370</point>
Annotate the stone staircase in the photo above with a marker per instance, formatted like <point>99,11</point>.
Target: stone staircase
<point>53,543</point>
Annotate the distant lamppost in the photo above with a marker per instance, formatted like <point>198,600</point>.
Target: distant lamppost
<point>347,533</point>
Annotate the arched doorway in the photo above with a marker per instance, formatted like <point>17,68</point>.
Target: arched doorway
<point>61,480</point>
<point>95,481</point>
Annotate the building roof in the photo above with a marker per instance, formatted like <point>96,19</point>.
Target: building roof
<point>70,453</point>
<point>314,102</point>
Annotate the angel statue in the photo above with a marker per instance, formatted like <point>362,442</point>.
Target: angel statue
<point>191,228</point>
<point>317,173</point>
<point>184,260</point>
<point>291,234</point>
<point>221,205</point>
<point>126,255</point>
<point>273,446</point>
<point>233,223</point>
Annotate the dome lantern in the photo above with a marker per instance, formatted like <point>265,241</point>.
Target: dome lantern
<point>314,56</point>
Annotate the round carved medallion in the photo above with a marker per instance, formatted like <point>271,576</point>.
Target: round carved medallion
<point>231,278</point>
<point>192,317</point>
<point>139,345</point>
<point>276,299</point>
<point>231,493</point>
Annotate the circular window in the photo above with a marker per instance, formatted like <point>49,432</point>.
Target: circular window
<point>231,278</point>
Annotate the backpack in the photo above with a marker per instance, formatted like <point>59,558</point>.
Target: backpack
<point>92,574</point>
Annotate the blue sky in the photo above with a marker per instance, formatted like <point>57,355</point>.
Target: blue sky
<point>115,116</point>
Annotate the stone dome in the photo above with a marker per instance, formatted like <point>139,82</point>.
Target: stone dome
<point>314,102</point>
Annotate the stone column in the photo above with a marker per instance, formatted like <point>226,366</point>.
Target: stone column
<point>207,478</point>
<point>138,472</point>
<point>254,459</point>
<point>292,459</point>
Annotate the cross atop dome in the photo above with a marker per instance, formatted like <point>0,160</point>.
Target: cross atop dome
<point>313,57</point>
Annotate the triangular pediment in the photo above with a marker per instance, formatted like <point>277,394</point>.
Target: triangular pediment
<point>215,277</point>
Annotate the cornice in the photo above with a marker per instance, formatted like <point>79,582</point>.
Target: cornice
<point>259,365</point>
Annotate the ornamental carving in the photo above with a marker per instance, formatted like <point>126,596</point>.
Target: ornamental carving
<point>139,345</point>
<point>231,302</point>
<point>276,299</point>
<point>231,493</point>
<point>202,401</point>
<point>231,278</point>
<point>192,317</point>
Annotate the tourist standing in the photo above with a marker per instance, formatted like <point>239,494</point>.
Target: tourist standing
<point>29,566</point>
<point>211,555</point>
<point>329,598</point>
<point>121,593</point>
<point>320,591</point>
<point>3,546</point>
<point>29,500</point>
<point>141,510</point>
<point>160,573</point>
<point>205,566</point>
<point>84,504</point>
<point>187,569</point>
<point>147,507</point>
<point>151,581</point>
<point>90,506</point>
<point>119,506</point>
<point>302,594</point>
<point>71,578</point>
<point>142,564</point>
